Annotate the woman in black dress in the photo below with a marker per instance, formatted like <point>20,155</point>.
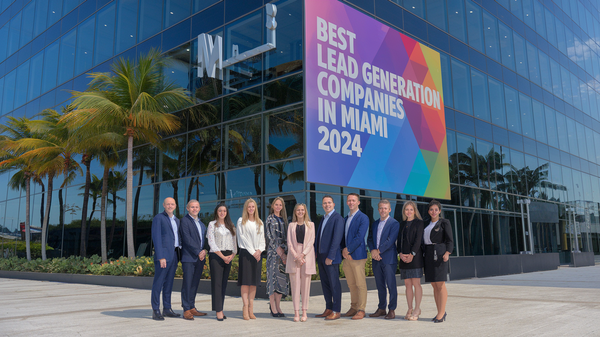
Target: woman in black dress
<point>410,237</point>
<point>438,243</point>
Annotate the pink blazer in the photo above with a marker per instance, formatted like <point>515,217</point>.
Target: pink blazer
<point>308,250</point>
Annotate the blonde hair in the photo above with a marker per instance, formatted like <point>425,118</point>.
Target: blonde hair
<point>414,206</point>
<point>283,212</point>
<point>306,218</point>
<point>245,214</point>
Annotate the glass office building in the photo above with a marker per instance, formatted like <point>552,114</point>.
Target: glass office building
<point>521,83</point>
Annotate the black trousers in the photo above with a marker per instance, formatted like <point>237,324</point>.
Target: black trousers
<point>219,274</point>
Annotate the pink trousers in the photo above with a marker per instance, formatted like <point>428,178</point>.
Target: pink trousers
<point>300,284</point>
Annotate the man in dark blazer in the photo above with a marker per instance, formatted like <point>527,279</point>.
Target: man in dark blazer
<point>382,243</point>
<point>193,257</point>
<point>355,256</point>
<point>166,240</point>
<point>328,239</point>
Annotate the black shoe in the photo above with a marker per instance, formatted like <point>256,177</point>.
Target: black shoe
<point>170,313</point>
<point>157,316</point>
<point>274,314</point>
<point>281,315</point>
<point>224,317</point>
<point>441,319</point>
<point>220,319</point>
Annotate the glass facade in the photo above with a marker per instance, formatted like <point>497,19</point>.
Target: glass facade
<point>521,82</point>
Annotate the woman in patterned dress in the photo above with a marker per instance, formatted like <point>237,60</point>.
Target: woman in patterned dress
<point>277,279</point>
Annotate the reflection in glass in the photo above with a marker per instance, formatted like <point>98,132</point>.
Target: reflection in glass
<point>85,46</point>
<point>242,104</point>
<point>490,31</point>
<point>150,19</point>
<point>285,91</point>
<point>171,161</point>
<point>243,143</point>
<point>506,46</point>
<point>205,188</point>
<point>284,176</point>
<point>105,34</point>
<point>287,57</point>
<point>244,182</point>
<point>285,135</point>
<point>474,24</point>
<point>176,10</point>
<point>240,37</point>
<point>67,56</point>
<point>178,69</point>
<point>204,151</point>
<point>461,83</point>
<point>472,232</point>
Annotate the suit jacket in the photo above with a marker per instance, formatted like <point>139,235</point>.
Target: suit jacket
<point>192,243</point>
<point>294,248</point>
<point>331,240</point>
<point>387,242</point>
<point>442,233</point>
<point>163,237</point>
<point>410,240</point>
<point>357,232</point>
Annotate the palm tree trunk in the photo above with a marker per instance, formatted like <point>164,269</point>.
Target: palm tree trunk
<point>47,216</point>
<point>130,248</point>
<point>27,206</point>
<point>114,221</point>
<point>103,214</point>
<point>86,198</point>
<point>42,203</point>
<point>136,202</point>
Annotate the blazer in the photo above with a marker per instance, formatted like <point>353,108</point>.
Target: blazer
<point>331,240</point>
<point>387,243</point>
<point>163,237</point>
<point>191,241</point>
<point>294,249</point>
<point>410,240</point>
<point>442,233</point>
<point>357,233</point>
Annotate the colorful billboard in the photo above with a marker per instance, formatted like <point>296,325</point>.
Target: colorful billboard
<point>374,105</point>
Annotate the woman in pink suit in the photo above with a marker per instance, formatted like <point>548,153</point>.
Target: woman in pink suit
<point>300,259</point>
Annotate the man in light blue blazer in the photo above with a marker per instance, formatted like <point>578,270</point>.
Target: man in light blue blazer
<point>328,239</point>
<point>382,243</point>
<point>165,237</point>
<point>193,257</point>
<point>355,256</point>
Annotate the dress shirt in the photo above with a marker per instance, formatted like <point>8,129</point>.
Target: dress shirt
<point>350,216</point>
<point>325,222</point>
<point>427,233</point>
<point>197,222</point>
<point>175,231</point>
<point>380,229</point>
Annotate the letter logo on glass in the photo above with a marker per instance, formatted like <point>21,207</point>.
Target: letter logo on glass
<point>374,105</point>
<point>210,54</point>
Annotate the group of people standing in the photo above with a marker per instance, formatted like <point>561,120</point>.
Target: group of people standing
<point>295,249</point>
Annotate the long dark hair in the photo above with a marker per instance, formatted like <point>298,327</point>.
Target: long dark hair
<point>228,222</point>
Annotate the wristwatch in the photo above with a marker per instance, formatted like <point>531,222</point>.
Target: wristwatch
<point>413,253</point>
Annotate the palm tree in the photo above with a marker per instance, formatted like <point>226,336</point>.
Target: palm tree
<point>54,150</point>
<point>135,101</point>
<point>12,156</point>
<point>95,192</point>
<point>278,168</point>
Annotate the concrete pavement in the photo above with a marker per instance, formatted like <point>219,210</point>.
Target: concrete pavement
<point>563,302</point>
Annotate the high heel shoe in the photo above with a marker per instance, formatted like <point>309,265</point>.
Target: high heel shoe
<point>245,313</point>
<point>304,316</point>
<point>274,314</point>
<point>296,316</point>
<point>408,314</point>
<point>440,320</point>
<point>414,317</point>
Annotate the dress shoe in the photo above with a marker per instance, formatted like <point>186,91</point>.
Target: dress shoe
<point>325,313</point>
<point>378,313</point>
<point>245,313</point>
<point>391,315</point>
<point>415,315</point>
<point>359,315</point>
<point>188,315</point>
<point>334,315</point>
<point>439,320</point>
<point>251,310</point>
<point>170,313</point>
<point>350,312</point>
<point>197,313</point>
<point>156,315</point>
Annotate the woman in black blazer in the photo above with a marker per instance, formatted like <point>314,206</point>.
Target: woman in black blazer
<point>410,238</point>
<point>438,245</point>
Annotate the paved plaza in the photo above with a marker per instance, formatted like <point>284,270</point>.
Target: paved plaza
<point>563,302</point>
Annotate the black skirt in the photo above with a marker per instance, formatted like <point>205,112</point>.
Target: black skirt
<point>250,269</point>
<point>435,271</point>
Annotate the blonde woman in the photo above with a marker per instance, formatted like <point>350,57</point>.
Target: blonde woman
<point>277,281</point>
<point>301,258</point>
<point>411,258</point>
<point>251,240</point>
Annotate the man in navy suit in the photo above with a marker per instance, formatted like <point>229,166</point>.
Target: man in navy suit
<point>328,239</point>
<point>382,242</point>
<point>355,256</point>
<point>165,237</point>
<point>193,257</point>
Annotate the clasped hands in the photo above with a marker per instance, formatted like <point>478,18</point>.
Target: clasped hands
<point>406,258</point>
<point>300,259</point>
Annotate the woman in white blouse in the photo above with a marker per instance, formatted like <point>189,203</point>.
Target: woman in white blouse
<point>223,247</point>
<point>251,240</point>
